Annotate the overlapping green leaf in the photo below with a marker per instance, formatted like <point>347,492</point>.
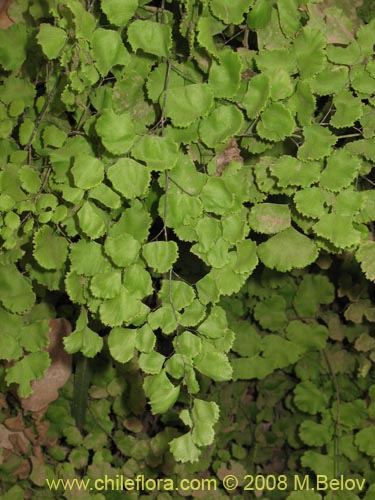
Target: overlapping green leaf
<point>151,37</point>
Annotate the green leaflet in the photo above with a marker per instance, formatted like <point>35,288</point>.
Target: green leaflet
<point>204,416</point>
<point>151,37</point>
<point>287,250</point>
<point>186,104</point>
<point>224,122</point>
<point>159,153</point>
<point>269,218</point>
<point>123,249</point>
<point>83,339</point>
<point>92,220</point>
<point>117,12</point>
<point>50,250</point>
<point>16,293</point>
<point>160,255</point>
<point>214,365</point>
<point>51,39</point>
<point>312,291</point>
<point>230,14</point>
<point>116,131</point>
<point>271,313</point>
<point>122,309</point>
<point>88,172</point>
<point>366,257</point>
<point>161,392</point>
<point>121,343</point>
<point>276,122</point>
<point>338,229</point>
<point>308,48</point>
<point>184,448</point>
<point>13,43</point>
<point>108,50</point>
<point>30,367</point>
<point>291,171</point>
<point>257,95</point>
<point>225,76</point>
<point>318,143</point>
<point>348,109</point>
<point>341,169</point>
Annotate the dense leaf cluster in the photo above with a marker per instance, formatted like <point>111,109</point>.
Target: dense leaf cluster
<point>178,176</point>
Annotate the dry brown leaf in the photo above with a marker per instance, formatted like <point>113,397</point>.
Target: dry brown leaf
<point>15,423</point>
<point>5,20</point>
<point>46,389</point>
<point>5,441</point>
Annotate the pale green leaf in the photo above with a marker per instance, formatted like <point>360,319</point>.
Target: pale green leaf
<point>269,218</point>
<point>106,285</point>
<point>223,122</point>
<point>30,179</point>
<point>92,220</point>
<point>318,143</point>
<point>291,171</point>
<point>193,314</point>
<point>122,249</point>
<point>309,398</point>
<point>330,81</point>
<point>129,177</point>
<point>302,103</point>
<point>184,449</point>
<point>121,343</point>
<point>186,104</point>
<point>313,201</point>
<point>152,362</point>
<point>16,293</point>
<point>165,318</point>
<point>247,258</point>
<point>187,344</point>
<point>116,131</point>
<point>225,76</point>
<point>257,95</point>
<point>138,281</point>
<point>160,255</point>
<point>123,308</point>
<point>214,324</point>
<point>151,37</point>
<point>178,293</point>
<point>31,367</point>
<point>207,28</point>
<point>13,42</point>
<point>205,414</point>
<point>365,255</point>
<point>216,197</point>
<point>87,258</point>
<point>348,109</point>
<point>308,47</point>
<point>88,171</point>
<point>83,338</point>
<point>119,12</point>
<point>159,153</point>
<point>287,250</point>
<point>108,50</point>
<point>161,392</point>
<point>50,250</point>
<point>51,39</point>
<point>230,13</point>
<point>145,339</point>
<point>289,16</point>
<point>214,365</point>
<point>338,229</point>
<point>341,170</point>
<point>276,122</point>
<point>106,196</point>
<point>271,313</point>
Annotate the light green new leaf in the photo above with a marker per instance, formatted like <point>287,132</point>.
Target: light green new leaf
<point>184,449</point>
<point>92,220</point>
<point>312,291</point>
<point>186,104</point>
<point>87,258</point>
<point>151,37</point>
<point>30,179</point>
<point>121,343</point>
<point>83,338</point>
<point>50,250</point>
<point>287,250</point>
<point>116,131</point>
<point>318,143</point>
<point>188,344</point>
<point>178,293</point>
<point>330,81</point>
<point>119,12</point>
<point>247,258</point>
<point>269,218</point>
<point>341,169</point>
<point>291,171</point>
<point>215,324</point>
<point>338,229</point>
<point>123,308</point>
<point>145,339</point>
<point>106,285</point>
<point>257,95</point>
<point>347,55</point>
<point>207,28</point>
<point>308,48</point>
<point>138,281</point>
<point>276,122</point>
<point>159,153</point>
<point>308,336</point>
<point>108,50</point>
<point>309,398</point>
<point>151,362</point>
<point>160,255</point>
<point>13,42</point>
<point>129,177</point>
<point>348,109</point>
<point>88,171</point>
<point>225,76</point>
<point>230,13</point>
<point>106,196</point>
<point>303,103</point>
<point>365,255</point>
<point>214,365</point>
<point>51,39</point>
<point>313,201</point>
<point>16,293</point>
<point>193,314</point>
<point>23,372</point>
<point>224,122</point>
<point>161,392</point>
<point>122,249</point>
<point>165,318</point>
<point>205,414</point>
<point>216,197</point>
<point>290,17</point>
